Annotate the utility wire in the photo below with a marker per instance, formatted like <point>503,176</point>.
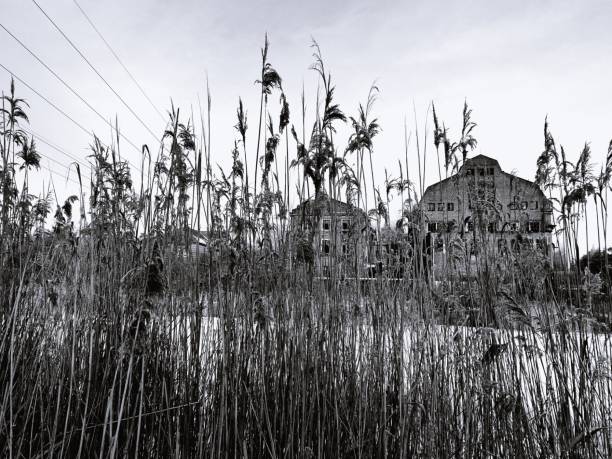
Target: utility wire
<point>94,69</point>
<point>120,61</point>
<point>62,112</point>
<point>50,144</point>
<point>67,86</point>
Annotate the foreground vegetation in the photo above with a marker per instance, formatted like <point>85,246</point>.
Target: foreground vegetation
<point>120,337</point>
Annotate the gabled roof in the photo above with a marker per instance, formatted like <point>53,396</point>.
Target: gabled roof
<point>479,160</point>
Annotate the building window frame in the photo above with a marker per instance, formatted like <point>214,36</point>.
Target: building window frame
<point>534,226</point>
<point>346,225</point>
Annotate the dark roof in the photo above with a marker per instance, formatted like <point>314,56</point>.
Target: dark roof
<point>327,203</point>
<point>480,159</point>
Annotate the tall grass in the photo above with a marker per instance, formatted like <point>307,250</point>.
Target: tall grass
<point>119,338</point>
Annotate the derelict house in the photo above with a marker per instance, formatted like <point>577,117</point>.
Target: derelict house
<point>342,236</point>
<point>489,209</point>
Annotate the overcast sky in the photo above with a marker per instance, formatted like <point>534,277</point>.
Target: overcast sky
<point>514,62</point>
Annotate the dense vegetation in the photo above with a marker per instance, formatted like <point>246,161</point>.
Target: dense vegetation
<point>120,337</point>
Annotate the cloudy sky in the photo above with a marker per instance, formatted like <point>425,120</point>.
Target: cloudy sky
<point>514,62</point>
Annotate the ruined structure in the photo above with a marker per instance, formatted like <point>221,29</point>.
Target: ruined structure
<point>342,231</point>
<point>484,207</point>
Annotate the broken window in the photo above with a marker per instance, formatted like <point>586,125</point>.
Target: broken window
<point>524,205</point>
<point>345,226</point>
<point>440,206</point>
<point>325,246</point>
<point>534,227</point>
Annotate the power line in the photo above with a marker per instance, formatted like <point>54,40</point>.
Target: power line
<point>67,86</point>
<point>94,69</point>
<point>120,61</point>
<point>62,112</point>
<point>50,144</point>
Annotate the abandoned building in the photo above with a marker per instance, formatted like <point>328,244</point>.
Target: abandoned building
<point>489,209</point>
<point>343,231</point>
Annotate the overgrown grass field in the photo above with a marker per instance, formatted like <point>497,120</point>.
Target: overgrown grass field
<point>120,337</point>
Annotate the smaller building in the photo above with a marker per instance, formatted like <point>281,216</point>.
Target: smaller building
<point>342,233</point>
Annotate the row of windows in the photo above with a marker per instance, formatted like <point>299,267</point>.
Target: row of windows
<point>326,247</point>
<point>493,227</point>
<point>450,206</point>
<point>481,171</point>
<point>515,205</point>
<point>326,224</point>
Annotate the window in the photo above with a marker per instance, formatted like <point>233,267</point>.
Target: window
<point>490,171</point>
<point>512,206</point>
<point>450,206</point>
<point>481,171</point>
<point>469,172</point>
<point>325,246</point>
<point>524,205</point>
<point>515,226</point>
<point>470,226</point>
<point>440,206</point>
<point>345,226</point>
<point>534,227</point>
<point>432,227</point>
<point>451,226</point>
<point>344,249</point>
<point>534,205</point>
<point>431,206</point>
<point>492,227</point>
<point>326,224</point>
